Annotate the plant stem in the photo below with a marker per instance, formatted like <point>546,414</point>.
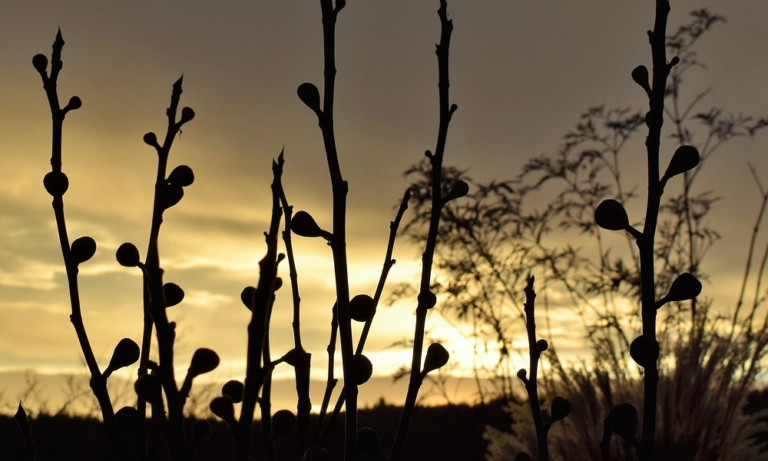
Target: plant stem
<point>531,383</point>
<point>426,297</point>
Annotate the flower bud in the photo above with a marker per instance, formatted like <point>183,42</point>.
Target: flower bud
<point>622,420</point>
<point>459,189</point>
<point>224,408</point>
<point>126,353</point>
<point>310,96</point>
<point>173,294</point>
<point>182,175</point>
<point>83,249</point>
<point>684,159</point>
<point>427,299</point>
<point>304,224</point>
<point>234,390</point>
<point>40,61</point>
<point>368,441</point>
<point>56,183</point>
<point>283,422</point>
<point>361,308</point>
<point>170,195</point>
<point>151,139</point>
<point>247,296</point>
<point>437,356</point>
<point>611,215</point>
<point>644,350</point>
<point>559,409</point>
<point>148,388</point>
<point>74,103</point>
<point>201,430</point>
<point>542,345</point>
<point>127,418</point>
<point>362,369</point>
<point>203,361</point>
<point>522,374</point>
<point>686,286</point>
<point>640,76</point>
<point>187,114</point>
<point>128,255</point>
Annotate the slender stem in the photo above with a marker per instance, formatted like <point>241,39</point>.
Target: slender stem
<point>531,383</point>
<point>426,299</point>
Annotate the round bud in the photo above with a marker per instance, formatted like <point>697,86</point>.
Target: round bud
<point>151,139</point>
<point>187,114</point>
<point>182,175</point>
<point>224,408</point>
<point>437,356</point>
<point>40,62</point>
<point>522,374</point>
<point>149,389</point>
<point>644,350</point>
<point>234,390</point>
<point>56,183</point>
<point>247,296</point>
<point>640,76</point>
<point>126,353</point>
<point>283,422</point>
<point>427,299</point>
<point>309,95</point>
<point>173,294</point>
<point>128,255</point>
<point>361,308</point>
<point>686,286</point>
<point>362,369</point>
<point>542,345</point>
<point>304,224</point>
<point>201,430</point>
<point>127,418</point>
<point>170,195</point>
<point>316,454</point>
<point>611,215</point>
<point>622,420</point>
<point>277,284</point>
<point>559,409</point>
<point>203,361</point>
<point>83,249</point>
<point>368,441</point>
<point>74,103</point>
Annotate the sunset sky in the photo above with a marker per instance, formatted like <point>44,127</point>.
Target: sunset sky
<point>521,74</point>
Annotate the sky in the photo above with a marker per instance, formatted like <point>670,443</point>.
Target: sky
<point>521,74</point>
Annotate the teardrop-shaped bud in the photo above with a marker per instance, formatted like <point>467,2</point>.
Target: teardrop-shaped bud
<point>151,139</point>
<point>224,408</point>
<point>559,409</point>
<point>187,114</point>
<point>234,390</point>
<point>640,76</point>
<point>127,418</point>
<point>361,308</point>
<point>684,159</point>
<point>74,103</point>
<point>40,61</point>
<point>622,420</point>
<point>644,350</point>
<point>309,95</point>
<point>459,189</point>
<point>203,361</point>
<point>304,224</point>
<point>368,441</point>
<point>56,183</point>
<point>611,215</point>
<point>437,356</point>
<point>148,387</point>
<point>173,294</point>
<point>522,374</point>
<point>83,249</point>
<point>542,345</point>
<point>283,422</point>
<point>126,353</point>
<point>247,296</point>
<point>128,255</point>
<point>170,195</point>
<point>362,369</point>
<point>316,454</point>
<point>201,430</point>
<point>182,175</point>
<point>522,456</point>
<point>277,284</point>
<point>686,286</point>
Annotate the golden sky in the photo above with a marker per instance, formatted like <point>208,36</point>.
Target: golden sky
<point>521,74</point>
